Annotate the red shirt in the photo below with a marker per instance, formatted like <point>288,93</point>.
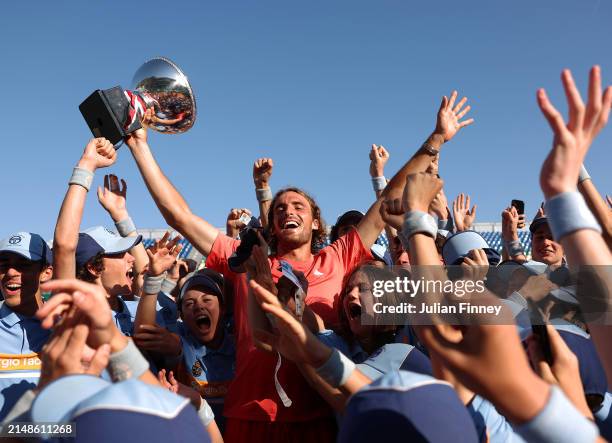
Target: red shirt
<point>252,394</point>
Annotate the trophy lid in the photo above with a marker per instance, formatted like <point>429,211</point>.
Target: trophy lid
<point>162,84</point>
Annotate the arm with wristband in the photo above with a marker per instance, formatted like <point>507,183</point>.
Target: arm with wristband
<point>379,157</point>
<point>99,153</point>
<point>262,172</point>
<point>112,197</point>
<point>473,352</point>
<point>513,249</point>
<point>448,123</point>
<point>147,334</point>
<point>571,222</point>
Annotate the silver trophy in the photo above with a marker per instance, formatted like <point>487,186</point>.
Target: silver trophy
<point>158,84</point>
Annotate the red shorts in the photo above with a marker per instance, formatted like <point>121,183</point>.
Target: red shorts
<point>320,430</point>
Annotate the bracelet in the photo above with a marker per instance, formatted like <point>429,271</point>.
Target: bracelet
<point>263,195</point>
<point>442,224</point>
<point>167,285</point>
<point>430,149</point>
<point>514,248</point>
<point>127,363</point>
<point>125,227</point>
<point>559,421</point>
<point>206,413</point>
<point>81,177</point>
<point>152,284</point>
<point>419,222</point>
<point>379,183</point>
<point>337,369</point>
<point>567,212</point>
<point>584,174</point>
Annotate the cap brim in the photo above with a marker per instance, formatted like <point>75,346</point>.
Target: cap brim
<point>535,224</point>
<point>55,402</point>
<point>200,280</point>
<point>123,244</point>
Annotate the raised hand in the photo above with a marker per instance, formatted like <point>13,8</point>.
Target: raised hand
<point>87,302</point>
<point>475,266</point>
<point>572,139</point>
<point>113,197</point>
<point>258,266</point>
<point>378,159</point>
<point>449,116</point>
<point>163,254</point>
<point>464,216</point>
<point>262,171</point>
<point>99,153</point>
<point>392,212</point>
<point>234,222</point>
<point>293,340</point>
<point>510,223</point>
<point>439,206</point>
<point>609,200</point>
<point>420,190</point>
<point>167,381</point>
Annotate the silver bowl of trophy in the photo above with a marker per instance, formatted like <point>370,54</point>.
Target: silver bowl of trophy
<point>160,85</point>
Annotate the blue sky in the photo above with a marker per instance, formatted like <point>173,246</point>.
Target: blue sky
<point>310,84</point>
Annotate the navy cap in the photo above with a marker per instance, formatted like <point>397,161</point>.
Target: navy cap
<point>98,239</point>
<point>416,407</point>
<point>536,223</point>
<point>392,357</point>
<point>104,411</point>
<point>382,254</point>
<point>207,278</point>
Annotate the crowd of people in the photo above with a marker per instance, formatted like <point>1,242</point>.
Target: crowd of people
<point>277,337</point>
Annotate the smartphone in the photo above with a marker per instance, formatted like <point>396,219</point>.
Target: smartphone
<point>538,328</point>
<point>520,209</point>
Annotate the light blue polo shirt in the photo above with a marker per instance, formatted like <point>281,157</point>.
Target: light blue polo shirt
<point>208,371</point>
<point>21,339</point>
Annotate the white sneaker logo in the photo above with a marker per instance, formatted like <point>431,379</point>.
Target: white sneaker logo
<point>317,273</point>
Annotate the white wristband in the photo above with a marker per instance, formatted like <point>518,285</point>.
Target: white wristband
<point>379,183</point>
<point>205,413</point>
<point>127,363</point>
<point>567,212</point>
<point>152,284</point>
<point>337,369</point>
<point>558,422</point>
<point>168,285</point>
<point>125,227</point>
<point>264,194</point>
<point>81,177</point>
<point>419,222</point>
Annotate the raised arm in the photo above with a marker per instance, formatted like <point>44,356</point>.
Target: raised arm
<point>113,199</point>
<point>171,204</point>
<point>98,153</point>
<point>582,241</point>
<point>447,125</point>
<point>262,172</point>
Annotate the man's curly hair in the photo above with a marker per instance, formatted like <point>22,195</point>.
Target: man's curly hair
<point>319,236</point>
<point>96,262</point>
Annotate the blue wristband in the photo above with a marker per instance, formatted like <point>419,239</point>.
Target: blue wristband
<point>558,422</point>
<point>379,183</point>
<point>567,212</point>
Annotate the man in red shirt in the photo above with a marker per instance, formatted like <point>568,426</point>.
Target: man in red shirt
<point>253,406</point>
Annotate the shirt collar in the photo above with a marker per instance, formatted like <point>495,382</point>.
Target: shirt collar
<point>9,317</point>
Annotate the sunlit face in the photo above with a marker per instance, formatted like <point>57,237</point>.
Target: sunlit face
<point>201,311</point>
<point>357,297</point>
<point>117,276</point>
<point>544,249</point>
<point>20,279</point>
<point>293,221</point>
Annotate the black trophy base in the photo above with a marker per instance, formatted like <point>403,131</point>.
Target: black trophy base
<point>105,112</point>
